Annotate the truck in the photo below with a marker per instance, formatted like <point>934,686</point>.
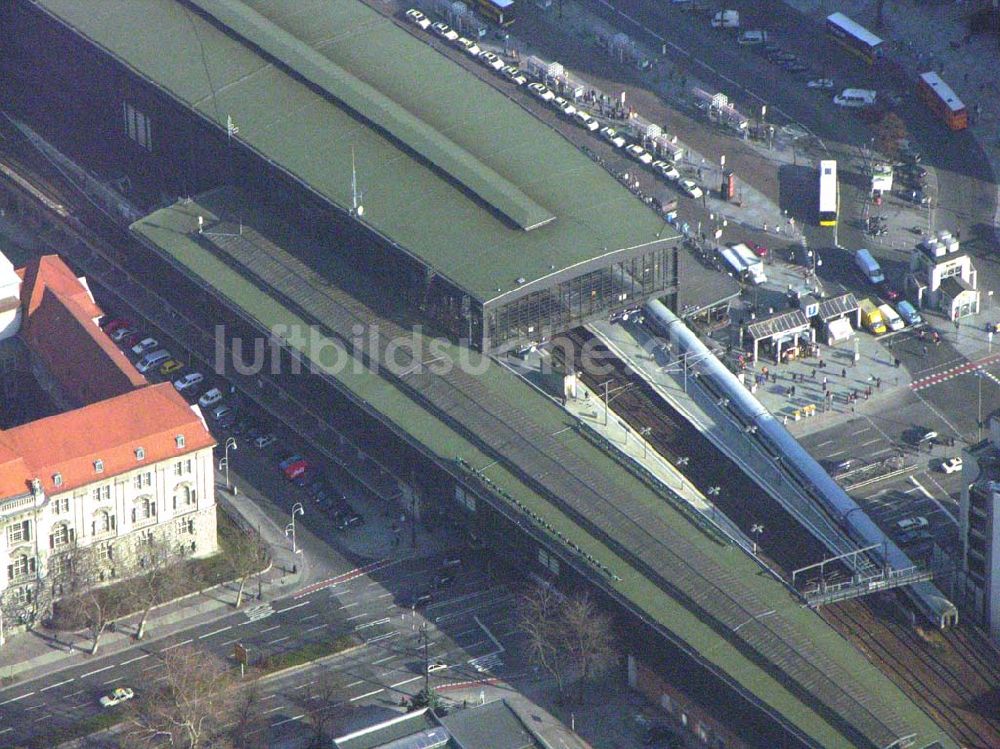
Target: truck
<point>753,266</point>
<point>871,318</point>
<point>892,320</point>
<point>726,19</point>
<point>869,267</point>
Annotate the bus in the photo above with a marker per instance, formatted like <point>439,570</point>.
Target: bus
<point>829,194</point>
<point>942,101</point>
<point>501,12</point>
<point>854,37</point>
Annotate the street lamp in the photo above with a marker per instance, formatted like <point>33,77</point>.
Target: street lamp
<point>644,433</point>
<point>297,509</point>
<point>230,443</point>
<point>757,529</point>
<point>714,492</point>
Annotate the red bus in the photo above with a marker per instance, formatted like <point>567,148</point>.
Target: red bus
<point>942,101</point>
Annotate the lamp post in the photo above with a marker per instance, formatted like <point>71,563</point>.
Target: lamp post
<point>297,509</point>
<point>713,492</point>
<point>757,529</point>
<point>979,419</point>
<point>230,443</point>
<point>644,433</point>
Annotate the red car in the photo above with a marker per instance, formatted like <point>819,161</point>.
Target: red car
<point>118,322</point>
<point>888,292</point>
<point>296,469</point>
<point>758,249</point>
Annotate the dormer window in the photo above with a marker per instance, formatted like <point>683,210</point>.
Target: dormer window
<point>140,453</point>
<point>180,441</point>
<point>57,479</point>
<point>98,466</point>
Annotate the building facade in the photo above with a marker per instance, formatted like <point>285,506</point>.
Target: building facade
<point>108,461</point>
<point>979,525</point>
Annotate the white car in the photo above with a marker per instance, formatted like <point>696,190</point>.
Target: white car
<point>155,359</point>
<point>821,83</point>
<point>584,120</point>
<point>907,524</point>
<point>541,91</point>
<point>639,153</point>
<point>445,31</point>
<point>690,188</point>
<point>210,398</point>
<point>491,60</point>
<point>146,344</point>
<point>414,16</point>
<point>118,696</point>
<point>436,666</point>
<point>611,136</point>
<point>468,46</point>
<point>188,381</point>
<point>952,465</point>
<point>515,74</point>
<point>564,106</point>
<point>666,168</point>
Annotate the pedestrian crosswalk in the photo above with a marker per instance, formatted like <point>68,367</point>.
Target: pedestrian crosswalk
<point>256,613</point>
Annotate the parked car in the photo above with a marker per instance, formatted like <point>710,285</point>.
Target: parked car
<point>144,346</point>
<point>293,470</point>
<point>445,31</point>
<point>221,412</point>
<point>443,579</point>
<point>909,313</point>
<point>416,17</point>
<point>952,465</point>
<point>586,121</point>
<point>435,666</point>
<point>310,476</point>
<point>120,334</point>
<point>114,323</point>
<point>639,153</point>
<point>188,381</point>
<point>916,536</point>
<point>758,249</point>
<point>795,66</point>
<point>491,60</point>
<point>515,74</point>
<point>541,91</point>
<point>117,696</point>
<point>132,339</point>
<point>823,84</point>
<point>930,436</point>
<point>210,398</point>
<point>690,188</point>
<point>661,734</point>
<point>564,106</point>
<point>917,521</point>
<point>171,366</point>
<point>154,359</point>
<point>611,136</point>
<point>344,520</point>
<point>468,46</point>
<point>667,169</point>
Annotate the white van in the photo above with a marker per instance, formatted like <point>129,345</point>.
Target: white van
<point>891,317</point>
<point>154,359</point>
<point>855,98</point>
<point>869,267</point>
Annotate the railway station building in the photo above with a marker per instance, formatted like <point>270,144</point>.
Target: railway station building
<point>461,212</point>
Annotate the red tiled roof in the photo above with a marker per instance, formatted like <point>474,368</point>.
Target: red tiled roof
<point>110,431</point>
<point>59,329</point>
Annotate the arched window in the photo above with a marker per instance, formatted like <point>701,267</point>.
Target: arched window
<point>61,535</point>
<point>144,508</point>
<point>103,522</point>
<point>184,496</point>
<point>20,567</point>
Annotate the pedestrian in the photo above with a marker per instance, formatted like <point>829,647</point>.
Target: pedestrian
<point>925,350</point>
<point>878,382</point>
<point>866,395</point>
<point>824,381</point>
<point>814,374</point>
<point>896,362</point>
<point>843,372</point>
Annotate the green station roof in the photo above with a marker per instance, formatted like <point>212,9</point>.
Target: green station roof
<point>820,687</point>
<point>452,170</point>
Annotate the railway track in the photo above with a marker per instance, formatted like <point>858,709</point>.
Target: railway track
<point>931,670</point>
<point>956,681</point>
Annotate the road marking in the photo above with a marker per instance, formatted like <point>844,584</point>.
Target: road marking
<point>287,720</point>
<point>307,618</point>
<point>269,696</point>
<point>405,681</point>
<point>386,636</point>
<point>386,620</point>
<point>91,673</point>
<point>176,645</point>
<point>934,500</point>
<point>230,642</point>
<point>823,444</point>
<point>209,634</point>
<point>348,605</point>
<point>318,626</point>
<point>33,707</point>
<point>274,709</point>
<point>150,668</point>
<point>352,684</point>
<point>383,660</point>
<point>303,686</point>
<point>133,660</point>
<point>6,730</point>
<point>384,595</point>
<point>871,442</point>
<point>356,616</point>
<point>53,686</point>
<point>112,681</point>
<point>370,694</point>
<point>293,606</point>
<point>269,629</point>
<point>15,699</point>
<point>347,576</point>
<point>280,639</point>
<point>940,415</point>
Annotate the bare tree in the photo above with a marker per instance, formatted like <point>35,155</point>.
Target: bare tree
<point>86,600</point>
<point>589,638</point>
<point>888,133</point>
<point>539,620</point>
<point>250,727</point>
<point>567,636</point>
<point>248,555</point>
<point>188,707</point>
<point>157,576</point>
<point>320,705</point>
